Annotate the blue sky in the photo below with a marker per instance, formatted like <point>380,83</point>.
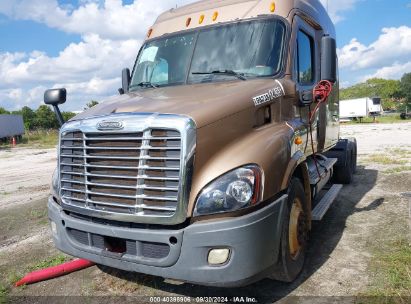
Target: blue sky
<point>71,43</point>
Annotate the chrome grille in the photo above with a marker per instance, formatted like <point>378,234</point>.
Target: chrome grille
<point>131,173</point>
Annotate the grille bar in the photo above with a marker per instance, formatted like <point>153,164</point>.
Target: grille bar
<point>120,157</point>
<point>122,148</point>
<point>156,198</point>
<point>121,167</point>
<point>122,186</point>
<point>123,176</point>
<point>121,138</point>
<point>123,205</point>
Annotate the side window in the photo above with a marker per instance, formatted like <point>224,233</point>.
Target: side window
<point>305,58</point>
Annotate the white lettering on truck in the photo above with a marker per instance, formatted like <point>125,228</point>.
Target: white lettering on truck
<point>272,94</point>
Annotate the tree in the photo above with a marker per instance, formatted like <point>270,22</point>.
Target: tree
<point>4,111</point>
<point>406,90</point>
<point>28,117</point>
<point>389,90</point>
<point>91,104</point>
<point>45,118</point>
<point>68,115</point>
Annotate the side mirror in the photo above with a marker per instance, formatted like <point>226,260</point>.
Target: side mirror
<point>328,59</point>
<point>55,97</point>
<point>125,80</point>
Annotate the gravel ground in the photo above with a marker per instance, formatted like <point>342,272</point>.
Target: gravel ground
<point>25,175</point>
<point>379,137</point>
<point>372,210</point>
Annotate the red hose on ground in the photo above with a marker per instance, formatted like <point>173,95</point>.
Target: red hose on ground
<point>54,272</point>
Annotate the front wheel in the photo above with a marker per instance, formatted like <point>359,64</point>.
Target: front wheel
<point>294,235</point>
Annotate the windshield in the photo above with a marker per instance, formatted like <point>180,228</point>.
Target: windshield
<point>241,50</point>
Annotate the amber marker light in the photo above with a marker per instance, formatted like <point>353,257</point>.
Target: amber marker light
<point>272,7</point>
<point>188,22</point>
<point>201,20</point>
<point>150,31</point>
<point>298,140</point>
<point>215,16</point>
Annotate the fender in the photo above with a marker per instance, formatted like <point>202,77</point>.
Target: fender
<point>221,149</point>
<point>298,167</point>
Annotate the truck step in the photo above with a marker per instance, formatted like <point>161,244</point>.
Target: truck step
<point>326,202</point>
<point>324,165</point>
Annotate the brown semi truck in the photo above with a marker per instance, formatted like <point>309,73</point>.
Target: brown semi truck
<point>220,151</point>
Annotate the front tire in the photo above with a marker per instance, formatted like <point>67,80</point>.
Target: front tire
<point>294,235</point>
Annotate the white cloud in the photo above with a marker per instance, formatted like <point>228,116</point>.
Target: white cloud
<point>336,8</point>
<point>393,45</point>
<point>395,71</point>
<point>111,36</point>
<point>92,57</point>
<point>90,68</point>
<point>18,98</point>
<point>95,86</point>
<point>108,19</point>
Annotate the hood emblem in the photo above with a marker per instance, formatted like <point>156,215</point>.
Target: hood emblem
<point>110,125</point>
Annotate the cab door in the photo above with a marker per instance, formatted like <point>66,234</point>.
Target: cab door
<point>307,73</point>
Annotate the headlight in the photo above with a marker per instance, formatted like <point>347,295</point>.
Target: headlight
<point>234,190</point>
<point>55,183</point>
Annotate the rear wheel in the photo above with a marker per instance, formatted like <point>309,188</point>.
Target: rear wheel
<point>343,174</point>
<point>294,235</point>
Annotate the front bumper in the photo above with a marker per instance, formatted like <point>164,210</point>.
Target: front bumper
<point>253,240</point>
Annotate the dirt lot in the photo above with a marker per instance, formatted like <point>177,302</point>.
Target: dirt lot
<point>368,217</point>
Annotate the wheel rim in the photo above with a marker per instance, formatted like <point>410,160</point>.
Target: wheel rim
<point>296,229</point>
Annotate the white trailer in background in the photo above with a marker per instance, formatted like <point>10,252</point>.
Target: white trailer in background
<point>11,125</point>
<point>360,108</point>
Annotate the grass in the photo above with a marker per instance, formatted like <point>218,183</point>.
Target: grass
<point>398,169</point>
<point>13,277</point>
<point>385,160</point>
<point>381,119</point>
<point>36,139</point>
<point>3,294</point>
<point>9,278</point>
<point>49,262</point>
<point>400,152</point>
<point>392,273</point>
<point>38,214</point>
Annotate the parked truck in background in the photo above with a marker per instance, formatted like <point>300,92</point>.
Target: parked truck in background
<point>11,126</point>
<point>219,153</point>
<point>360,108</point>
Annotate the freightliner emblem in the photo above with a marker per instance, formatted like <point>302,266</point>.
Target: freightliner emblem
<point>110,125</point>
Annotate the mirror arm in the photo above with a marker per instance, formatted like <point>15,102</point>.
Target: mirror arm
<point>60,118</point>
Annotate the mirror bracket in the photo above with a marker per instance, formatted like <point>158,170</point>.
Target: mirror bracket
<point>60,118</point>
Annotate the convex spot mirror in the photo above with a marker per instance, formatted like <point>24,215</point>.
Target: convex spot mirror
<point>328,59</point>
<point>55,97</point>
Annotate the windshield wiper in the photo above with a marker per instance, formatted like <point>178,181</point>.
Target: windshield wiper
<point>144,84</point>
<point>222,72</point>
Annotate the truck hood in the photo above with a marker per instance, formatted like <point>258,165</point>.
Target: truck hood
<point>204,103</point>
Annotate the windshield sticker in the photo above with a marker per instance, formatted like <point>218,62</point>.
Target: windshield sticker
<point>272,94</point>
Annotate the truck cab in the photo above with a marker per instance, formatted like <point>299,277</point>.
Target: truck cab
<point>221,149</point>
